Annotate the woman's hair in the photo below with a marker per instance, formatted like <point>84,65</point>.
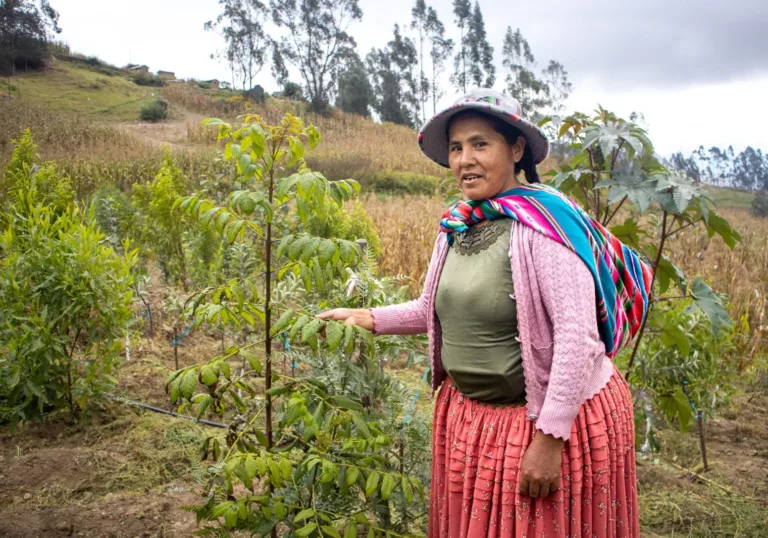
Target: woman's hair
<point>510,134</point>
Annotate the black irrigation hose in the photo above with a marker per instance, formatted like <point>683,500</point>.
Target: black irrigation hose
<point>166,412</point>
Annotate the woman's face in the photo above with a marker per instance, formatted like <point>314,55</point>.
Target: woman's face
<point>480,158</point>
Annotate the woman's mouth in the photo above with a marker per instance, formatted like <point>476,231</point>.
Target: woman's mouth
<point>470,178</point>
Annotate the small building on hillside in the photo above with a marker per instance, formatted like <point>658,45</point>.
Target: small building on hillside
<point>138,70</point>
<point>214,83</point>
<point>166,75</point>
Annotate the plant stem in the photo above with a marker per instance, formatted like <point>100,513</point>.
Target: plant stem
<point>609,219</point>
<point>69,375</point>
<point>684,226</point>
<point>651,298</point>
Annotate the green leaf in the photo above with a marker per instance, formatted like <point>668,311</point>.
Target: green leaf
<point>334,332</point>
<point>349,339</point>
<point>250,466</point>
<point>310,329</point>
<point>279,510</point>
<point>709,303</point>
<point>306,530</point>
<point>283,322</point>
<point>296,150</point>
<point>352,474</point>
<point>188,383</point>
<point>387,486</point>
<point>208,375</point>
<point>346,403</point>
<point>326,251</point>
<point>350,531</point>
<point>407,489</point>
<point>230,517</point>
<point>225,369</point>
<point>362,427</point>
<point>300,323</point>
<point>720,226</point>
<point>330,531</point>
<point>372,484</point>
<point>304,514</point>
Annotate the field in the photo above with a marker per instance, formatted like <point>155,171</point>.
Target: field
<point>126,472</point>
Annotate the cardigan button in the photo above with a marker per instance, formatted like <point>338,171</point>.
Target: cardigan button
<point>518,339</point>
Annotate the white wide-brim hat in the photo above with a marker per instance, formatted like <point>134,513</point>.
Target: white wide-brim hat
<point>433,137</point>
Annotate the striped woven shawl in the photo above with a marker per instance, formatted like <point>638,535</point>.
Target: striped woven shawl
<point>622,279</point>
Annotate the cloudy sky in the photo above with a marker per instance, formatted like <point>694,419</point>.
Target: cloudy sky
<point>698,74</point>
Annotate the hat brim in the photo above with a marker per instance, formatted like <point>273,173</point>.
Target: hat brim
<point>433,137</point>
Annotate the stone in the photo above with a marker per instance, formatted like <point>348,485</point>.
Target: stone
<point>63,526</point>
<point>27,496</point>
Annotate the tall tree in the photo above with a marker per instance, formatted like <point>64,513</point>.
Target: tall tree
<point>482,72</point>
<point>241,24</point>
<point>392,72</point>
<point>25,30</point>
<point>558,85</point>
<point>355,94</point>
<point>440,50</point>
<point>420,22</point>
<point>317,41</point>
<point>462,10</point>
<point>522,82</point>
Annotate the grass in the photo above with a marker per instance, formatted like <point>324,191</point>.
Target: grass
<point>68,87</point>
<point>731,198</point>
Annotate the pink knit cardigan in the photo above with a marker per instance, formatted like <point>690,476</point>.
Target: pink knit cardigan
<point>564,360</point>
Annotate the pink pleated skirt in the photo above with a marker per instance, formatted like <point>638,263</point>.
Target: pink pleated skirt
<point>477,451</point>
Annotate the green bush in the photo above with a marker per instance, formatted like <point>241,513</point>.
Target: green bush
<point>760,204</point>
<point>347,224</point>
<point>154,112</point>
<point>65,298</point>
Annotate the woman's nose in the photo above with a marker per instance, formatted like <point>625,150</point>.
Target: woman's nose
<point>467,157</point>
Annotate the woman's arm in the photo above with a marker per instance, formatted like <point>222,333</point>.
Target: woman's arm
<point>406,318</point>
<point>410,317</point>
<point>568,291</point>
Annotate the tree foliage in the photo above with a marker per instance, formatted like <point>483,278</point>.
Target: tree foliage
<point>325,449</point>
<point>241,24</point>
<point>614,168</point>
<point>25,29</point>
<point>394,82</point>
<point>355,95</point>
<point>317,41</point>
<point>65,296</point>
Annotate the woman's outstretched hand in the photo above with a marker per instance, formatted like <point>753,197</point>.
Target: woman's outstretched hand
<point>541,468</point>
<point>361,317</point>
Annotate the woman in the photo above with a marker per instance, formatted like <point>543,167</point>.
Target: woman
<point>533,430</point>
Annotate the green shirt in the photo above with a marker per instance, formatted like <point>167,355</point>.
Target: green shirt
<point>478,316</point>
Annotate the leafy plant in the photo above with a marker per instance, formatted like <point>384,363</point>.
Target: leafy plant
<point>161,227</point>
<point>760,204</point>
<point>325,451</point>
<point>65,299</point>
<point>154,111</point>
<point>614,174</point>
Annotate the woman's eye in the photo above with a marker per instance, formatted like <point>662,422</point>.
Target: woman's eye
<point>479,144</point>
<point>455,148</point>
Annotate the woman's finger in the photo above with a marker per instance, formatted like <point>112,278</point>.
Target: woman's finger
<point>328,314</point>
<point>350,321</point>
<point>524,486</point>
<point>533,489</point>
<point>544,490</point>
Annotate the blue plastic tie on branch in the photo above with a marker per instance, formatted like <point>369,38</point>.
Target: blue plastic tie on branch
<point>294,364</point>
<point>182,335</point>
<point>411,407</point>
<point>696,412</point>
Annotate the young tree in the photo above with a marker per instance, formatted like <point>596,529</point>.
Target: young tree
<point>440,50</point>
<point>317,41</point>
<point>25,28</point>
<point>355,94</point>
<point>462,9</point>
<point>522,82</point>
<point>241,24</point>
<point>482,72</point>
<point>394,83</point>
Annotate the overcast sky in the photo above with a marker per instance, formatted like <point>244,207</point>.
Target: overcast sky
<point>698,74</point>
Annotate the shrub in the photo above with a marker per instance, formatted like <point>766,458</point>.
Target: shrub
<point>145,79</point>
<point>760,204</point>
<point>154,111</point>
<point>392,182</point>
<point>65,299</point>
